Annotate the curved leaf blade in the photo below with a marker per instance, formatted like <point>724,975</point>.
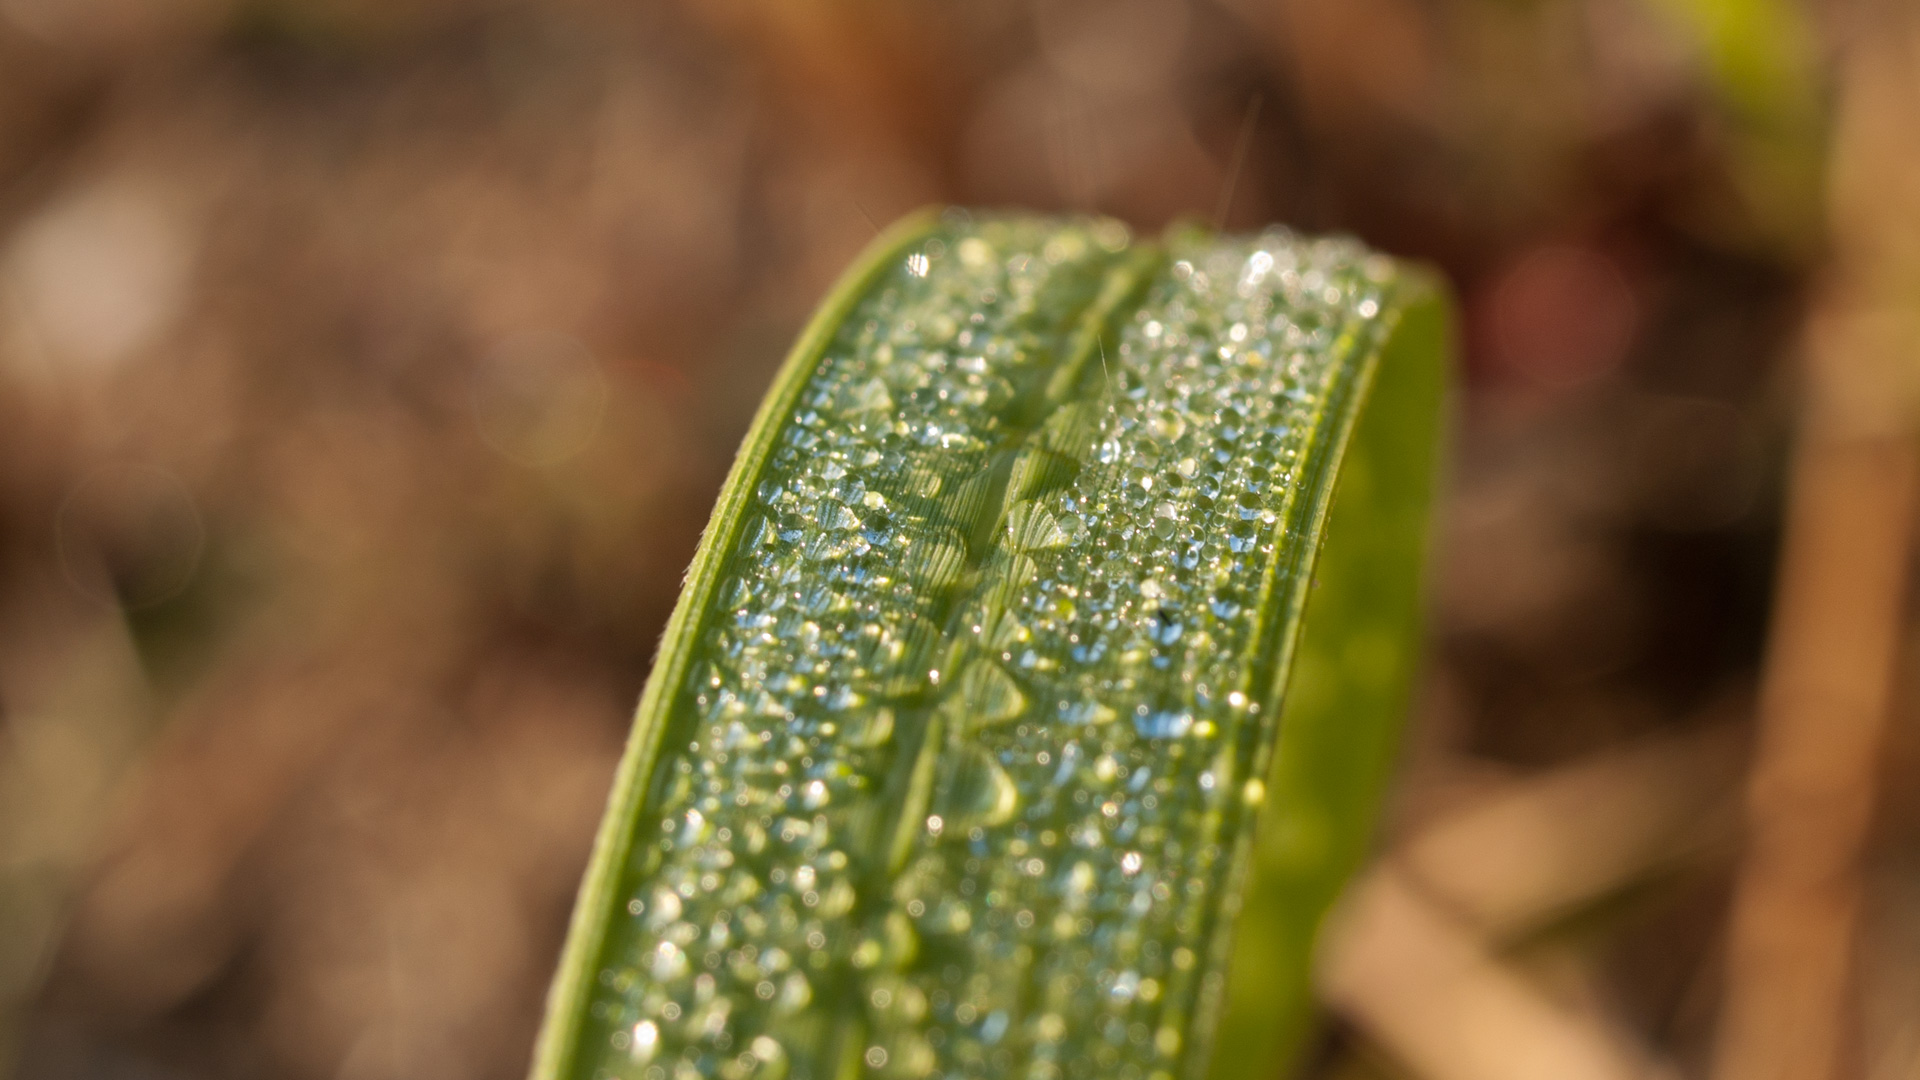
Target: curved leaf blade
<point>950,761</point>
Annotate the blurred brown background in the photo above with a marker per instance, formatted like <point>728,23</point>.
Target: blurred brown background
<point>368,367</point>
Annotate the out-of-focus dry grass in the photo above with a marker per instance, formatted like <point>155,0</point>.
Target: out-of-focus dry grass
<point>367,369</point>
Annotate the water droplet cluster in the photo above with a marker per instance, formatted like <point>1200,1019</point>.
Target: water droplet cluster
<point>971,737</point>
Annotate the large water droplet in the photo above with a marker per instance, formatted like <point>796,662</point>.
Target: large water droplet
<point>795,994</point>
<point>869,729</point>
<point>871,396</point>
<point>981,792</point>
<point>1088,711</point>
<point>1031,528</point>
<point>643,1042</point>
<point>1163,724</point>
<point>988,695</point>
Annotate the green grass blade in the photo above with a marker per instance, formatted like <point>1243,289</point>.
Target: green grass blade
<point>1351,680</point>
<point>952,757</point>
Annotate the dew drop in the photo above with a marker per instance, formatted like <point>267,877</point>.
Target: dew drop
<point>1031,528</point>
<point>872,396</point>
<point>1088,711</point>
<point>991,695</point>
<point>795,994</point>
<point>981,793</point>
<point>871,729</point>
<point>1163,724</point>
<point>644,1042</point>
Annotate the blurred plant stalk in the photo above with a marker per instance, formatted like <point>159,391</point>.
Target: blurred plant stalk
<point>1839,602</point>
<point>76,708</point>
<point>1416,956</point>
